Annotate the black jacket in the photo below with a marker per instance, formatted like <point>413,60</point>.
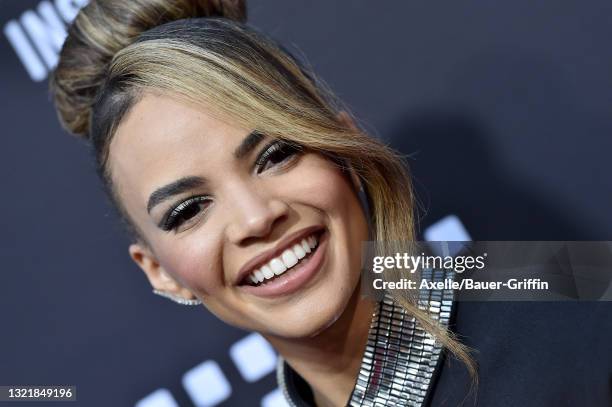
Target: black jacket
<point>529,354</point>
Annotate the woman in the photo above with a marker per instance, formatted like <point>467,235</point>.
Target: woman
<point>248,188</point>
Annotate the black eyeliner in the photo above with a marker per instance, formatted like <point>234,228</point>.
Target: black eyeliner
<point>163,223</point>
<point>168,221</point>
<point>265,152</point>
<point>274,146</point>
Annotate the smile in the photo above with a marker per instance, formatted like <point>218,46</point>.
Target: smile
<point>287,268</point>
<point>287,260</point>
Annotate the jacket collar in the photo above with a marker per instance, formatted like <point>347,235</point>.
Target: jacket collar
<point>400,360</point>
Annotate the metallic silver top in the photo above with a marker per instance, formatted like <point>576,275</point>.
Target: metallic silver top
<point>400,358</point>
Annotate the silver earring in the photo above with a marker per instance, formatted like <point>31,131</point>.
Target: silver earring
<point>177,299</point>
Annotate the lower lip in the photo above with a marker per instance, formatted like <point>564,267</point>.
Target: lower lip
<point>294,278</point>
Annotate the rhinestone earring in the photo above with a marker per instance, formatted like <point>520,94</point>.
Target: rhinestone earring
<point>177,299</point>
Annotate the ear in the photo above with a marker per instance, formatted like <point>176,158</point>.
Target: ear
<point>157,276</point>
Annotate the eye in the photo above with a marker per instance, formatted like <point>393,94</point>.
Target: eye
<point>184,212</point>
<point>276,153</point>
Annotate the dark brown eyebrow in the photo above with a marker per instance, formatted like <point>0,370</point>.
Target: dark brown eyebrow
<point>174,188</point>
<point>248,144</point>
<point>186,183</point>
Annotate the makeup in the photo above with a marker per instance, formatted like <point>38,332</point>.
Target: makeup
<point>290,273</point>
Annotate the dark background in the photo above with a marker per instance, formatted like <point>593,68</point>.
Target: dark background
<point>503,108</point>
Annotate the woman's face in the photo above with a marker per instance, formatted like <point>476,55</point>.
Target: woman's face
<point>223,208</point>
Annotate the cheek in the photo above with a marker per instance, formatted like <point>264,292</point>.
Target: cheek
<point>195,262</point>
<point>322,185</point>
<point>325,187</point>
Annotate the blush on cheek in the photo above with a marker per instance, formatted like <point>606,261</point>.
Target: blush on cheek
<point>196,267</point>
<point>322,184</point>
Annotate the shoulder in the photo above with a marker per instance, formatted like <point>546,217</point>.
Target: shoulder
<point>532,354</point>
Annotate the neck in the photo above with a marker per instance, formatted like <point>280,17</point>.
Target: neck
<point>330,361</point>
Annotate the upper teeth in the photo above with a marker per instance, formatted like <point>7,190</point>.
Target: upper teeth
<point>289,258</point>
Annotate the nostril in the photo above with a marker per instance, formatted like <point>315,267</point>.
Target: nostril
<point>256,231</point>
<point>255,217</point>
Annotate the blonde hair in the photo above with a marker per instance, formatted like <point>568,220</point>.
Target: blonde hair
<point>202,52</point>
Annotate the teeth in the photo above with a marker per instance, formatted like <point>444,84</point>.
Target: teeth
<point>289,258</point>
<point>278,266</point>
<point>312,242</point>
<point>267,272</point>
<point>259,275</point>
<point>299,252</point>
<point>285,261</point>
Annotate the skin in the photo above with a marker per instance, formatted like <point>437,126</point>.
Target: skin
<point>323,327</point>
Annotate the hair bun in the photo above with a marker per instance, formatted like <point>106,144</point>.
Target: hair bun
<point>100,30</point>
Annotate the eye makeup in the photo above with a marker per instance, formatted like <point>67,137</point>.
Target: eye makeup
<point>276,154</point>
<point>183,212</point>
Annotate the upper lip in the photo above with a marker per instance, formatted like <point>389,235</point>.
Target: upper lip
<point>276,251</point>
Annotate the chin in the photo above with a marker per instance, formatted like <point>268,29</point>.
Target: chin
<point>313,315</point>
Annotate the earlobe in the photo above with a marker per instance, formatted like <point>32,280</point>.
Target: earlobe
<point>159,279</point>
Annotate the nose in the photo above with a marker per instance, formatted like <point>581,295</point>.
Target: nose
<point>254,213</point>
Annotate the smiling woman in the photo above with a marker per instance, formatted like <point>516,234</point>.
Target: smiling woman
<point>240,178</point>
<point>228,205</point>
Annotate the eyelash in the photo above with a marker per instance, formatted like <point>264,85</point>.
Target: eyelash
<point>173,218</point>
<point>278,149</point>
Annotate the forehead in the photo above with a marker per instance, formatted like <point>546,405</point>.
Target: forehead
<point>162,139</point>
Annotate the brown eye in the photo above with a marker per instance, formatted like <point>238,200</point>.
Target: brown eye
<point>276,153</point>
<point>184,212</point>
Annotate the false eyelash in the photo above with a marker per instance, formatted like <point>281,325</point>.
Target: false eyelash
<point>170,221</point>
<point>172,218</point>
<point>290,148</point>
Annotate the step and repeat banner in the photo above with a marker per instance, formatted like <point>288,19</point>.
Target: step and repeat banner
<point>502,110</point>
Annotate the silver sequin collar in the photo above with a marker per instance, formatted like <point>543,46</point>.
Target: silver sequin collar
<point>400,358</point>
